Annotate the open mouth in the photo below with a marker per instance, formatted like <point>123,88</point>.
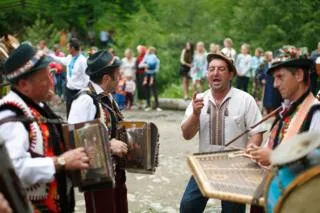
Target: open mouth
<point>216,80</point>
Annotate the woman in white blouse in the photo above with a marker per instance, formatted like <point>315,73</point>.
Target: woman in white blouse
<point>128,66</point>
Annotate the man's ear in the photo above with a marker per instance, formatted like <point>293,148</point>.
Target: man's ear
<point>106,78</point>
<point>299,74</point>
<point>232,75</point>
<point>23,85</point>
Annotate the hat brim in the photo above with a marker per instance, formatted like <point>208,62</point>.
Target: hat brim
<point>103,70</point>
<point>298,63</point>
<point>213,56</point>
<point>41,64</point>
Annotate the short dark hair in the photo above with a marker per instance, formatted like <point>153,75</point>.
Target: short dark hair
<point>97,78</point>
<point>75,43</point>
<point>306,75</point>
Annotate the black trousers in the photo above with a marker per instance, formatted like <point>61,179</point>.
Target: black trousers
<point>69,96</point>
<point>242,83</point>
<point>152,89</point>
<point>313,82</point>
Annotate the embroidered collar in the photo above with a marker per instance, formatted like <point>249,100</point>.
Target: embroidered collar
<point>226,97</point>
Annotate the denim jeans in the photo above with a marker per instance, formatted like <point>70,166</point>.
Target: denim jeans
<point>193,202</point>
<point>60,81</point>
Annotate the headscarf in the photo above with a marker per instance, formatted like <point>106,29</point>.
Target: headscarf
<point>142,53</point>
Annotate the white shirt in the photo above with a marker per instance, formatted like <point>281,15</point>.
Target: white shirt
<point>315,122</point>
<point>318,60</point>
<point>243,112</point>
<point>128,68</point>
<point>83,109</point>
<point>230,53</point>
<point>130,86</point>
<point>243,65</point>
<point>29,170</point>
<point>103,36</point>
<point>77,78</point>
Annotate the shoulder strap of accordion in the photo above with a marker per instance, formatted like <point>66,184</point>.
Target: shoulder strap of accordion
<point>20,115</point>
<point>95,97</point>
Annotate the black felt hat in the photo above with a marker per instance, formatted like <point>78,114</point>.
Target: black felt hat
<point>298,63</point>
<point>101,62</point>
<point>229,62</point>
<point>23,61</point>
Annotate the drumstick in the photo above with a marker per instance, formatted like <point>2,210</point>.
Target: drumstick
<point>239,154</point>
<point>271,114</point>
<point>30,120</point>
<point>237,147</point>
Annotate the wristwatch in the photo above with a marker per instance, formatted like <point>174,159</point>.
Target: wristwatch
<point>60,163</point>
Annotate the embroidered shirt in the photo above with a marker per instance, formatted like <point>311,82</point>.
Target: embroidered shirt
<point>30,148</point>
<point>76,66</point>
<point>283,119</point>
<point>218,125</point>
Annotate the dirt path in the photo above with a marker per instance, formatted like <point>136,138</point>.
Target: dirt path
<point>162,191</point>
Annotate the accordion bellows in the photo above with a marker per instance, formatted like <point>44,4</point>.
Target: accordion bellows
<point>142,139</point>
<point>93,136</point>
<point>227,176</point>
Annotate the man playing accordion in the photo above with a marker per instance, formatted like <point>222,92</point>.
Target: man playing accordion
<point>96,102</point>
<point>36,148</point>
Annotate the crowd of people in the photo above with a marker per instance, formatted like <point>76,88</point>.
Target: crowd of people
<point>138,74</point>
<point>251,69</point>
<point>137,80</point>
<point>94,84</point>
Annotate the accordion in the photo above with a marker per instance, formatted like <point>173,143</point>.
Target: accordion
<point>142,139</point>
<point>228,175</point>
<point>93,136</point>
<point>10,185</point>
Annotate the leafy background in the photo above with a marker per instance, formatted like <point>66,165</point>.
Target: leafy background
<point>168,24</point>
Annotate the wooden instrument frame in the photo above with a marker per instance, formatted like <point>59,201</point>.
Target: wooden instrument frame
<point>208,191</point>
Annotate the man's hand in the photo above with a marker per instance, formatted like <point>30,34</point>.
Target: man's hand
<point>259,154</point>
<point>118,148</point>
<point>76,159</point>
<point>4,205</point>
<point>197,104</point>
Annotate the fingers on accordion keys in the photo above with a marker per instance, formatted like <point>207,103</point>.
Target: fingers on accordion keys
<point>85,159</point>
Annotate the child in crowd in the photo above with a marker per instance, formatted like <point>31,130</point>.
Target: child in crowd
<point>151,62</point>
<point>130,90</point>
<point>120,93</point>
<point>199,67</point>
<point>243,65</point>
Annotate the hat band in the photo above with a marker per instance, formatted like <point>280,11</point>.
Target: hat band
<point>27,66</point>
<point>112,61</point>
<point>108,65</point>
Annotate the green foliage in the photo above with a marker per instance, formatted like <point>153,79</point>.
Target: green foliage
<point>169,24</point>
<point>172,91</point>
<point>41,30</point>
